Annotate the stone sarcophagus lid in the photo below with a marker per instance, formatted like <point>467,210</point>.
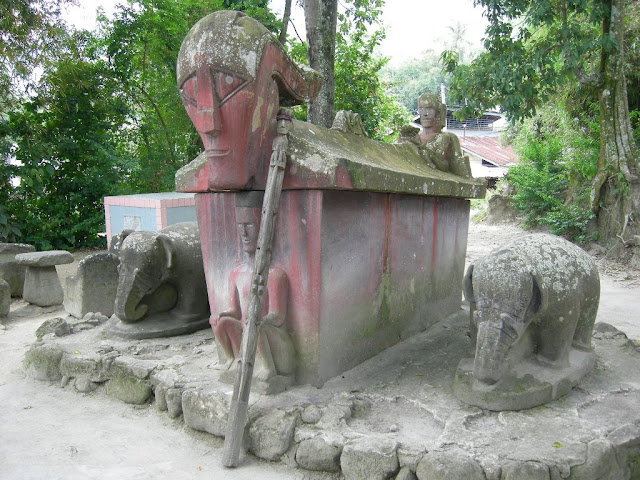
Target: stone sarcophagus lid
<point>370,238</point>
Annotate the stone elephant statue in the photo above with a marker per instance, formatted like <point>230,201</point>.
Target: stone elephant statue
<point>532,301</point>
<point>161,281</point>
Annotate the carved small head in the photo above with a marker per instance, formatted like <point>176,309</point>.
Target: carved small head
<point>284,121</point>
<point>432,112</point>
<point>248,216</point>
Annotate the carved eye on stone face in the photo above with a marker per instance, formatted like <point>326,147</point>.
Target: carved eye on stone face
<point>189,91</point>
<point>227,85</point>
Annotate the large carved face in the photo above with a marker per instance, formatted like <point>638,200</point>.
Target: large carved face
<point>233,76</point>
<point>217,101</point>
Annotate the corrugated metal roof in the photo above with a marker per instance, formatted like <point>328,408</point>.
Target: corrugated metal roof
<point>489,149</point>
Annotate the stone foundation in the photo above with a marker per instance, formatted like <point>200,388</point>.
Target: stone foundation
<point>394,416</point>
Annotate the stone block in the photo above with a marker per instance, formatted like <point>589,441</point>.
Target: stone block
<point>42,362</point>
<point>371,458</point>
<point>10,270</point>
<point>357,282</point>
<point>41,283</point>
<point>56,326</point>
<point>405,473</point>
<point>129,389</point>
<point>5,298</point>
<point>93,287</point>
<point>319,454</point>
<point>174,402</point>
<point>128,380</point>
<point>206,410</point>
<point>525,471</point>
<point>270,436</point>
<point>445,466</point>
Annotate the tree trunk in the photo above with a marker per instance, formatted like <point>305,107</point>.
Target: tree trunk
<point>285,22</point>
<point>615,195</point>
<point>321,18</point>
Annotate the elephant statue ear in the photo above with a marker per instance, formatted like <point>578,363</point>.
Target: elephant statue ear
<point>167,245</point>
<point>538,300</point>
<point>467,286</point>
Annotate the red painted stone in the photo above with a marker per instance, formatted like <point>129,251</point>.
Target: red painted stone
<point>365,269</point>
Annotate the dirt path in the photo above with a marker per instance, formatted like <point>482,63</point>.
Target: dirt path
<point>52,433</point>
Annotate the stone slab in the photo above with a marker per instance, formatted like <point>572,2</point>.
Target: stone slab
<point>402,396</point>
<point>530,385</point>
<point>44,259</point>
<point>5,298</point>
<point>10,271</point>
<point>156,325</point>
<point>93,287</point>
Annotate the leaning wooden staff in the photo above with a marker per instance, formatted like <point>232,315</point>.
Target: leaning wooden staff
<point>242,387</point>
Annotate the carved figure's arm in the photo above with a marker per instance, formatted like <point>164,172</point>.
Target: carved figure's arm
<point>233,310</point>
<point>278,288</point>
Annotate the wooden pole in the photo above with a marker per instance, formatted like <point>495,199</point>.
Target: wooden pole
<point>240,400</point>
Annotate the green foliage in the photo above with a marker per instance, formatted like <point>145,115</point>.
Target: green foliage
<point>531,49</point>
<point>29,30</point>
<point>60,141</point>
<point>358,86</point>
<point>558,158</point>
<point>414,77</point>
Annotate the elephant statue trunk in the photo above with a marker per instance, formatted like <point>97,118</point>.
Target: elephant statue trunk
<point>132,288</point>
<point>494,341</point>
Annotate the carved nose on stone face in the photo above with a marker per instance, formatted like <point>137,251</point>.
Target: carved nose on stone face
<point>207,110</point>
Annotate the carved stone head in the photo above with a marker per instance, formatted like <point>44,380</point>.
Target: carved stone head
<point>233,76</point>
<point>248,215</point>
<point>432,112</point>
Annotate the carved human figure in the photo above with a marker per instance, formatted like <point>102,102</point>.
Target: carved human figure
<point>275,353</point>
<point>441,148</point>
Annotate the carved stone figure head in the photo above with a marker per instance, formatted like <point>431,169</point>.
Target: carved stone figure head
<point>432,112</point>
<point>284,121</point>
<point>248,214</point>
<point>233,76</point>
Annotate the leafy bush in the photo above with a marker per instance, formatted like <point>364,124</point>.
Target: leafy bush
<point>558,158</point>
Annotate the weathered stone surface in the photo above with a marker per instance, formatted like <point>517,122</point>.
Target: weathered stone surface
<point>10,270</point>
<point>44,259</point>
<point>372,458</point>
<point>311,414</point>
<point>160,394</point>
<point>206,410</point>
<point>627,435</point>
<point>161,285</point>
<point>406,473</point>
<point>319,454</point>
<point>338,321</point>
<point>128,380</point>
<point>525,471</point>
<point>446,466</point>
<point>533,305</point>
<point>84,385</point>
<point>93,287</point>
<point>5,298</point>
<point>42,362</point>
<point>82,366</point>
<point>129,389</point>
<point>41,283</point>
<point>601,463</point>
<point>57,326</point>
<point>270,435</point>
<point>174,402</point>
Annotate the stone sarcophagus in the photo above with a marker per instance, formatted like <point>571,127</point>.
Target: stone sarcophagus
<point>370,238</point>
